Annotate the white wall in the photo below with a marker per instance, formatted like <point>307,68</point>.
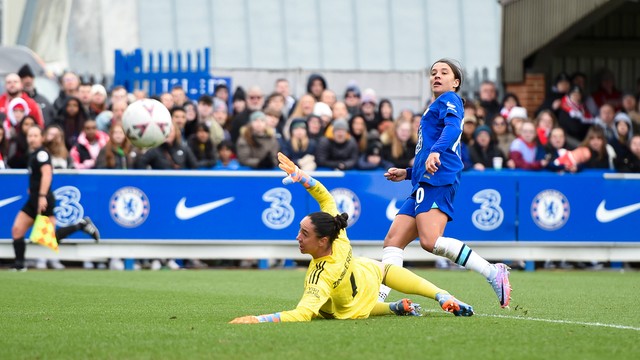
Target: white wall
<point>383,44</point>
<point>11,19</point>
<point>323,34</point>
<point>376,41</point>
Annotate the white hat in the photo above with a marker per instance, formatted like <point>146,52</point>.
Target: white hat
<point>620,116</point>
<point>322,109</point>
<point>12,104</point>
<point>517,112</point>
<point>97,88</point>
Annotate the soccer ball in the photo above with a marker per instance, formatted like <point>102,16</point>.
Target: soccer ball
<point>147,123</point>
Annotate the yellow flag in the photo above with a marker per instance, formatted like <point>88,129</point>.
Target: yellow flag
<point>43,233</point>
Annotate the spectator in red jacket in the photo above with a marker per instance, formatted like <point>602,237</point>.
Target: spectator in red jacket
<point>90,142</point>
<point>526,152</point>
<point>13,87</point>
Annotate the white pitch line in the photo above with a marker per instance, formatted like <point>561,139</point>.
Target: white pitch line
<point>614,326</point>
<point>623,327</point>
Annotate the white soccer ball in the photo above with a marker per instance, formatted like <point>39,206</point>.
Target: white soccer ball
<point>147,123</point>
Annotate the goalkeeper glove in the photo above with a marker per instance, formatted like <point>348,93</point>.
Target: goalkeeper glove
<point>294,173</point>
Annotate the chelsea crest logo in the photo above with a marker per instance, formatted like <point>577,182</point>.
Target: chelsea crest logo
<point>129,206</point>
<point>347,201</point>
<point>550,209</point>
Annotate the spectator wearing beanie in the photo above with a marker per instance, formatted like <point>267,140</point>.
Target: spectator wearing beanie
<point>300,148</point>
<point>623,134</point>
<point>315,130</point>
<point>239,101</point>
<point>324,112</point>
<point>516,117</point>
<point>316,84</point>
<point>257,146</point>
<point>368,111</point>
<point>340,152</point>
<point>97,100</point>
<point>220,122</point>
<point>352,99</point>
<point>202,147</point>
<point>484,149</point>
<point>221,92</point>
<point>372,158</point>
<point>255,102</point>
<point>28,86</point>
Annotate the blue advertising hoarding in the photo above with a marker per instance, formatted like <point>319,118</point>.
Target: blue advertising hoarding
<point>584,207</point>
<point>485,207</point>
<point>144,205</point>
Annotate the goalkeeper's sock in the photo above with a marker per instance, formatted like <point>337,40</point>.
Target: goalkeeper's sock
<point>403,280</point>
<point>390,255</point>
<point>381,308</point>
<point>458,252</point>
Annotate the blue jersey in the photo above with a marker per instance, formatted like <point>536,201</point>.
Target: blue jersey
<point>440,131</point>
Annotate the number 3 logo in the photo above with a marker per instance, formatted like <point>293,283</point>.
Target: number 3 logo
<point>280,213</point>
<point>490,215</point>
<point>69,210</point>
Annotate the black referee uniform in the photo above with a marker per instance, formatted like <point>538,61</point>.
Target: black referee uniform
<point>35,162</point>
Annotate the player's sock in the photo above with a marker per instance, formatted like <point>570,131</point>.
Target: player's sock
<point>458,252</point>
<point>19,248</point>
<point>390,255</point>
<point>404,307</point>
<point>381,308</point>
<point>403,280</point>
<point>64,232</point>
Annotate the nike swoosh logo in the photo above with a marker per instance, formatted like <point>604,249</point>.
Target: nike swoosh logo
<point>185,213</point>
<point>7,201</point>
<point>604,216</point>
<point>392,209</point>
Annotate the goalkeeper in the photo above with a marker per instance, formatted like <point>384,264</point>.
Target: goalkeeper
<point>338,285</point>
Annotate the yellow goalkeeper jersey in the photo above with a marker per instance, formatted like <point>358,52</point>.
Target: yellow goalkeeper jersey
<point>338,285</point>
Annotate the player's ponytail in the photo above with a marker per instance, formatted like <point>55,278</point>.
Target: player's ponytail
<point>327,225</point>
<point>341,222</point>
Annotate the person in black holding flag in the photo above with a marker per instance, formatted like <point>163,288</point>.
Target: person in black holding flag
<point>41,200</point>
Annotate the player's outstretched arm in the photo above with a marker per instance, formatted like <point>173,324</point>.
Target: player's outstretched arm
<point>294,174</point>
<point>256,319</point>
<point>314,187</point>
<point>395,174</point>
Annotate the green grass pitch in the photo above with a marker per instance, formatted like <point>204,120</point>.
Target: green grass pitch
<point>78,314</point>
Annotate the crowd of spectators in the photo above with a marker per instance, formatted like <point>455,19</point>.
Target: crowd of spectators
<point>563,121</point>
<point>324,128</point>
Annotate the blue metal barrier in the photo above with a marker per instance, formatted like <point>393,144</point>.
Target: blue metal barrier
<point>161,72</point>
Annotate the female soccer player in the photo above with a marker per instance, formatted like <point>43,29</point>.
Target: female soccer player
<point>41,200</point>
<point>435,178</point>
<point>338,285</point>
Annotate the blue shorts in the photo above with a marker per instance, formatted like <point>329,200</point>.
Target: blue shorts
<point>429,197</point>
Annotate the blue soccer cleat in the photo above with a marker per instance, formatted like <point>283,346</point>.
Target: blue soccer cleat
<point>405,307</point>
<point>450,304</point>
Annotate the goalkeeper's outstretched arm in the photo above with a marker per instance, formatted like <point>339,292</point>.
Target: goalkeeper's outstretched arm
<point>313,186</point>
<point>294,174</point>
